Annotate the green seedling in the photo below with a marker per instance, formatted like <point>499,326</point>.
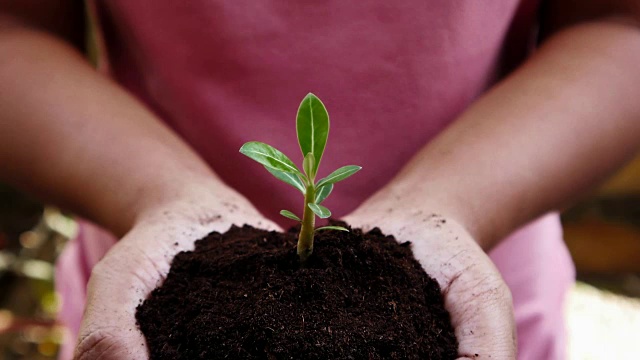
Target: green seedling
<point>312,127</point>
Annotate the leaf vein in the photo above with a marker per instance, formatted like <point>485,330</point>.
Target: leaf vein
<point>275,159</point>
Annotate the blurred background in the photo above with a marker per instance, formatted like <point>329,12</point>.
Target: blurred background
<point>602,232</point>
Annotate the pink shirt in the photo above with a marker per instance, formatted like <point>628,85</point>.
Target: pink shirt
<point>392,74</point>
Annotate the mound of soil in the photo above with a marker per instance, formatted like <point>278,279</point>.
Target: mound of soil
<point>244,295</point>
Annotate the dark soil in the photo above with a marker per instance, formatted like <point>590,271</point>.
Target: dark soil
<point>244,295</point>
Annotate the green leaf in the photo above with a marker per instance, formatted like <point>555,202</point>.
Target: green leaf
<point>340,174</point>
<point>322,193</point>
<point>312,127</point>
<point>290,215</point>
<point>289,178</point>
<point>320,210</point>
<point>308,166</point>
<point>332,228</point>
<point>269,156</point>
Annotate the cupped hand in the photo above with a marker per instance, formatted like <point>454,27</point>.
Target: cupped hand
<point>474,293</point>
<point>139,262</point>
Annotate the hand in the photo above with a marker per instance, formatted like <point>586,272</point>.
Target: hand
<point>474,293</point>
<point>139,263</point>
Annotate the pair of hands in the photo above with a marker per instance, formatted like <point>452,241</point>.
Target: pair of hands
<point>475,295</point>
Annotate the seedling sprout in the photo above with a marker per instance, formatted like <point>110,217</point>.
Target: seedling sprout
<point>312,128</point>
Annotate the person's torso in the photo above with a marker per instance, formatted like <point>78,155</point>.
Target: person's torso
<point>392,75</point>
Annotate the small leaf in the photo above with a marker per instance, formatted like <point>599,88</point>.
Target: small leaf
<point>312,127</point>
<point>269,156</point>
<point>289,178</point>
<point>290,215</point>
<point>320,210</point>
<point>340,174</point>
<point>322,193</point>
<point>332,228</point>
<point>308,166</point>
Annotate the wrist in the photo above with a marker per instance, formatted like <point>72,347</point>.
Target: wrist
<point>414,205</point>
<point>190,195</point>
<point>451,204</point>
<point>206,204</point>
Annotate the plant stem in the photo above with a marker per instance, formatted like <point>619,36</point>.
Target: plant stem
<point>305,238</point>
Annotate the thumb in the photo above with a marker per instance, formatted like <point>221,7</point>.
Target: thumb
<point>116,287</point>
<point>120,282</point>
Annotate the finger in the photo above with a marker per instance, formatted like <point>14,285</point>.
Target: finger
<point>476,297</point>
<point>117,286</point>
<point>485,328</point>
